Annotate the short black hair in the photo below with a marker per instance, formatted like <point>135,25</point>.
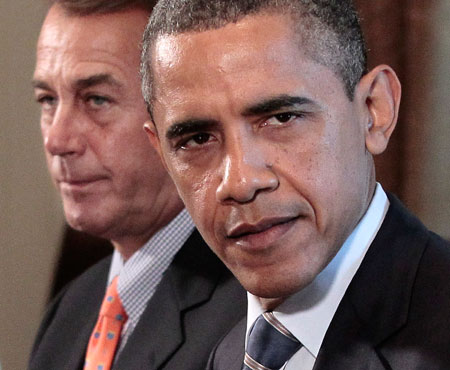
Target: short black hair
<point>330,30</point>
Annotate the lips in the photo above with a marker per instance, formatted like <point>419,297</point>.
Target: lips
<point>262,236</point>
<point>244,230</point>
<point>79,182</point>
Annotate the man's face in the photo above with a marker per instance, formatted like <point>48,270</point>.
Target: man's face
<point>265,148</point>
<point>86,80</point>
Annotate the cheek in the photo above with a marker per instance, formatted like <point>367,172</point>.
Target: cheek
<point>128,146</point>
<point>307,168</point>
<point>198,193</point>
<point>309,171</point>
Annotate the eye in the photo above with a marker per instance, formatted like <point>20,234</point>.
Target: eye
<point>281,119</point>
<point>46,101</point>
<point>98,101</point>
<point>195,141</point>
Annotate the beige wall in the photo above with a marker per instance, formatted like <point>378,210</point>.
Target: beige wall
<point>436,182</point>
<point>30,216</point>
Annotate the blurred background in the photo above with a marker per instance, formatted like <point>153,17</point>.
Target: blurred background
<point>39,254</point>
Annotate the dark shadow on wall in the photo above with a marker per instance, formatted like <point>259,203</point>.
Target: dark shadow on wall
<point>79,251</point>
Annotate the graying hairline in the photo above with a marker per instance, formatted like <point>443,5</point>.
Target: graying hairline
<point>316,47</point>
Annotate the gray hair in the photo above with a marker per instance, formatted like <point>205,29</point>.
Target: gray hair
<point>329,29</point>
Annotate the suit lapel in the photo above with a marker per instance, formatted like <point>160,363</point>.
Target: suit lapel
<point>79,344</point>
<point>85,324</point>
<point>229,353</point>
<point>158,333</point>
<point>377,301</point>
<point>189,281</point>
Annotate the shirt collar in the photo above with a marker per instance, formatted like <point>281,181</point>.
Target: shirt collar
<point>140,274</point>
<point>308,313</point>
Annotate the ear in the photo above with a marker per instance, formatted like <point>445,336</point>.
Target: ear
<point>380,92</point>
<point>152,134</point>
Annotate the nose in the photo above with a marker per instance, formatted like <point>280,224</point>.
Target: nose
<point>245,173</point>
<point>63,136</point>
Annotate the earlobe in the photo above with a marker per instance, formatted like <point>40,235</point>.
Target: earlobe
<point>380,90</point>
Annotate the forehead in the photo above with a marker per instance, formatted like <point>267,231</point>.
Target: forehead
<point>69,43</point>
<point>240,63</point>
<point>229,48</point>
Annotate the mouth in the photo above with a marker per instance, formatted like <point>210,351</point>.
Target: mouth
<point>262,233</point>
<point>79,183</point>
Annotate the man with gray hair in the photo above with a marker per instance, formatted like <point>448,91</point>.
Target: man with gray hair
<point>166,297</point>
<point>267,119</point>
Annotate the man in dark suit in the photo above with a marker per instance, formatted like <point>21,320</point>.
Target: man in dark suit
<point>177,296</point>
<point>267,120</point>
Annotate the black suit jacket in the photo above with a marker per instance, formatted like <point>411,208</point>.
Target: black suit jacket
<point>395,314</point>
<point>196,302</point>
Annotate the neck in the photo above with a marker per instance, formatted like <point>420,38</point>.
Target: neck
<point>129,244</point>
<point>269,304</point>
<point>128,247</point>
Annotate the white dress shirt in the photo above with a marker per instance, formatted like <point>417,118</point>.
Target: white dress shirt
<point>308,313</point>
<point>140,275</point>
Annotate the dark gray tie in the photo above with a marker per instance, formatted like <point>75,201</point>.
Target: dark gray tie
<point>270,345</point>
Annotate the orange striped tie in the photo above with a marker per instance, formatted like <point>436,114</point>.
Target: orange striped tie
<point>105,337</point>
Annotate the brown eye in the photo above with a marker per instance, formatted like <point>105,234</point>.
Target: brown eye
<point>281,119</point>
<point>201,138</point>
<point>196,141</point>
<point>284,117</point>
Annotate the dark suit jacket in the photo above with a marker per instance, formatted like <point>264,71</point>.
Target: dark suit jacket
<point>395,314</point>
<point>196,302</point>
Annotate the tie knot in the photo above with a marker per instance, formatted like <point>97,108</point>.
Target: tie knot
<point>112,306</point>
<point>270,344</point>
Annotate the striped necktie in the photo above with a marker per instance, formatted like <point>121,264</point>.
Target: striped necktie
<point>270,345</point>
<point>105,337</point>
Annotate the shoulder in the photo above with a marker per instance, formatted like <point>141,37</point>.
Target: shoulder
<point>431,292</point>
<point>424,259</point>
<point>87,288</point>
<point>422,256</point>
<point>431,250</point>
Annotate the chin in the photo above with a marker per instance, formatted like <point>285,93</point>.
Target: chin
<point>272,285</point>
<point>89,224</point>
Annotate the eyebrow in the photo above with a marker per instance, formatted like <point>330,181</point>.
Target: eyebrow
<point>82,83</point>
<point>266,106</point>
<point>38,84</point>
<point>189,127</point>
<point>98,79</point>
<point>276,103</point>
